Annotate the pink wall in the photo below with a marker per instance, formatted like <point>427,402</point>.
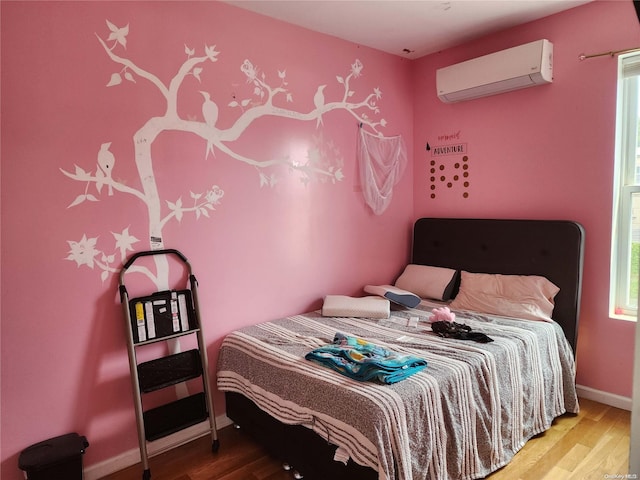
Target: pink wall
<point>544,152</point>
<point>262,253</point>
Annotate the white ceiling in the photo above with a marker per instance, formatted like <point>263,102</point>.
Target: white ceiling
<point>408,28</point>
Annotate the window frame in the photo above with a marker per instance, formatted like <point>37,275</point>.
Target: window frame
<point>625,185</point>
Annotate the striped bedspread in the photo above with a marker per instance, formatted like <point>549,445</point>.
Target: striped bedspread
<point>462,417</point>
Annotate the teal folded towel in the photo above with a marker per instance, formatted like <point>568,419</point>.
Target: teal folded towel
<point>364,361</point>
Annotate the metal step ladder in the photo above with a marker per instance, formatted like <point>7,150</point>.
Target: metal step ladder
<point>164,316</point>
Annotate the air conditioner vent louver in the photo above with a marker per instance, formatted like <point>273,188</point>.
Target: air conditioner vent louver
<point>519,67</point>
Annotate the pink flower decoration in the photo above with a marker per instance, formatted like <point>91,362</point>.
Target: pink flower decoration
<point>443,314</point>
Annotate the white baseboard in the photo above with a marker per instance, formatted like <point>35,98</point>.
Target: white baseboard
<point>611,399</point>
<point>132,457</point>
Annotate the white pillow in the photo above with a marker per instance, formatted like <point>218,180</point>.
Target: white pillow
<point>345,306</point>
<point>427,282</point>
<point>529,297</point>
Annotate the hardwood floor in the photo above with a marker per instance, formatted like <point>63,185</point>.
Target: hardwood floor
<point>238,458</point>
<point>591,445</point>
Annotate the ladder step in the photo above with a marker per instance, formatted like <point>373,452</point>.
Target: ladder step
<point>170,370</point>
<point>175,416</point>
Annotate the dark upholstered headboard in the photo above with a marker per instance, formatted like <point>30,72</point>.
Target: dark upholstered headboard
<point>551,248</point>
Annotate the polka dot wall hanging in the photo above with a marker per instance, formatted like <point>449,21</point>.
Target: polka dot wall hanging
<point>448,170</point>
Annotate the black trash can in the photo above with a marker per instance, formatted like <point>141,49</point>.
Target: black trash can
<point>59,458</point>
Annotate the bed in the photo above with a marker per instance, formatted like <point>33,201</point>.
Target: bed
<point>465,415</point>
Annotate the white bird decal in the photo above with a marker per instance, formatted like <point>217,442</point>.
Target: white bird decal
<point>106,161</point>
<point>249,70</point>
<point>318,101</point>
<point>210,114</point>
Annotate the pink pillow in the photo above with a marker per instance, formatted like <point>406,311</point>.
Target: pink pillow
<point>427,282</point>
<point>520,296</point>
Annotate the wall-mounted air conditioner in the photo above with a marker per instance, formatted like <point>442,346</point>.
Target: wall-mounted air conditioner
<point>524,66</point>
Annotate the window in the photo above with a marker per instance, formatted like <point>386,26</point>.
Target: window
<point>626,214</point>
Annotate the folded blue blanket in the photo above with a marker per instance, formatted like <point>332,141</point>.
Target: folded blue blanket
<point>361,360</point>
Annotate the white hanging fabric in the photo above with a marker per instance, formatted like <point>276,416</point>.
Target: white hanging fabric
<point>382,161</point>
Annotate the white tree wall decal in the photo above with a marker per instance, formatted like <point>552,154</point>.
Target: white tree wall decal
<point>260,103</point>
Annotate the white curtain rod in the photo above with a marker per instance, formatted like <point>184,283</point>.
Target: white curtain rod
<point>610,54</point>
